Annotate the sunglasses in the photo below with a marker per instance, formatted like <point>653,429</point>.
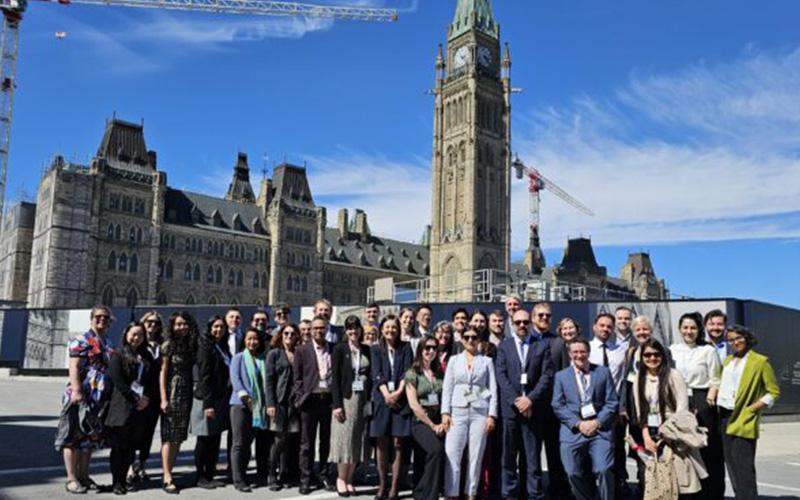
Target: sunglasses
<point>648,355</point>
<point>102,316</point>
<point>429,348</point>
<point>544,315</point>
<point>470,338</point>
<point>522,323</point>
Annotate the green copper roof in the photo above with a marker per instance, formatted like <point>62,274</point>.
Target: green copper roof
<point>474,14</point>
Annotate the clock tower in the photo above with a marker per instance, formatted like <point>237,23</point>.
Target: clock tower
<point>471,155</point>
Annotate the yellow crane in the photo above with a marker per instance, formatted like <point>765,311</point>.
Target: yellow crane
<point>12,17</point>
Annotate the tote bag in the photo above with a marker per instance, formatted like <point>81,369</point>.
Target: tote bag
<point>660,480</point>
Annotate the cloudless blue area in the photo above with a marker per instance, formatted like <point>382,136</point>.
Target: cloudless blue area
<point>360,87</point>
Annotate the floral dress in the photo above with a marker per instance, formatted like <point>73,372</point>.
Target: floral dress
<point>81,426</point>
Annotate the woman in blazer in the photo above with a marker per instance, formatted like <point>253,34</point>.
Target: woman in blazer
<point>211,405</point>
<point>249,420</point>
<point>284,417</point>
<point>748,387</point>
<point>391,358</point>
<point>350,388</point>
<point>469,410</point>
<point>135,379</point>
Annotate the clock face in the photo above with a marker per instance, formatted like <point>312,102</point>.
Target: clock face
<point>484,56</point>
<point>461,58</point>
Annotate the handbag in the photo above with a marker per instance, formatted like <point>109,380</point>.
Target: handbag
<point>660,480</point>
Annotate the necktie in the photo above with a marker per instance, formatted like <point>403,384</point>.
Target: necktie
<point>605,355</point>
<point>585,386</point>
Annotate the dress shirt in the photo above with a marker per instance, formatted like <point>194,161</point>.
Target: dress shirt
<point>626,341</point>
<point>331,335</point>
<point>494,339</point>
<point>233,341</point>
<point>729,386</point>
<point>616,359</point>
<point>722,350</point>
<point>523,345</point>
<point>698,364</point>
<point>324,367</point>
<point>584,380</point>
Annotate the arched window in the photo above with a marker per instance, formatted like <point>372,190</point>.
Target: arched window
<point>213,300</point>
<point>161,298</point>
<point>196,274</point>
<point>112,261</point>
<point>139,235</point>
<point>160,268</point>
<point>189,300</point>
<point>216,248</point>
<point>132,298</point>
<point>188,245</point>
<point>297,283</point>
<point>107,297</point>
<point>209,248</point>
<point>132,235</point>
<point>256,280</point>
<point>305,284</point>
<point>118,232</point>
<point>134,266</point>
<point>111,231</point>
<point>169,270</point>
<point>187,272</point>
<point>263,280</point>
<point>231,277</point>
<point>210,275</point>
<point>194,245</point>
<point>123,263</point>
<point>218,276</point>
<point>289,283</point>
<point>240,278</point>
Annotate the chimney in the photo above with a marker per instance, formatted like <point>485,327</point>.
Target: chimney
<point>152,159</point>
<point>362,228</point>
<point>342,223</point>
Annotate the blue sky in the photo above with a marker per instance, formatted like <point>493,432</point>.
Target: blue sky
<point>677,122</point>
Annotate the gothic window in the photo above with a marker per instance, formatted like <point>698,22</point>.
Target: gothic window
<point>187,246</point>
<point>289,283</point>
<point>169,270</point>
<point>138,207</point>
<point>216,248</point>
<point>161,299</point>
<point>122,265</point>
<point>111,231</point>
<point>231,277</point>
<point>139,235</point>
<point>256,280</point>
<point>209,248</point>
<point>196,274</point>
<point>194,245</point>
<point>160,268</point>
<point>132,235</point>
<point>210,275</point>
<point>132,298</point>
<point>290,233</point>
<point>263,280</point>
<point>187,272</point>
<point>213,300</point>
<point>240,278</point>
<point>127,204</point>
<point>118,232</point>
<point>134,265</point>
<point>297,283</point>
<point>112,261</point>
<point>218,275</point>
<point>113,201</point>
<point>189,300</point>
<point>107,297</point>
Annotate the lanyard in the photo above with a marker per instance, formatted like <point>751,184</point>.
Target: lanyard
<point>523,352</point>
<point>357,364</point>
<point>391,353</point>
<point>585,382</point>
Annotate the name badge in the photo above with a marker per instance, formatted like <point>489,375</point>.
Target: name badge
<point>391,386</point>
<point>432,400</point>
<point>358,385</point>
<point>137,388</point>
<point>523,379</point>
<point>587,411</point>
<point>689,391</point>
<point>470,396</point>
<point>324,384</point>
<point>654,420</point>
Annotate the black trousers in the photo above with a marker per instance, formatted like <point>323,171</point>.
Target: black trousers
<point>713,456</point>
<point>620,469</point>
<point>126,440</point>
<point>740,459</point>
<point>206,454</point>
<point>522,440</point>
<point>558,484</point>
<point>429,483</point>
<point>243,434</point>
<point>283,458</point>
<point>315,415</point>
<point>150,421</point>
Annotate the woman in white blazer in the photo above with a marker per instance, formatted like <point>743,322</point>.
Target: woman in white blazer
<point>469,410</point>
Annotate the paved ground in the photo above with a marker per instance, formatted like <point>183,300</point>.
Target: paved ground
<point>30,468</point>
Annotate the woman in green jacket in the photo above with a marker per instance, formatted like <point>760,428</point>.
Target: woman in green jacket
<point>748,387</point>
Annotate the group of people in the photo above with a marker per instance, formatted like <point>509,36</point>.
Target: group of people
<point>473,400</point>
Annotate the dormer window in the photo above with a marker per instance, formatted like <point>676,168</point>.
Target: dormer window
<point>216,219</point>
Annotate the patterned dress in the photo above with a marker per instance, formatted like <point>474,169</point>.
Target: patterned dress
<point>81,426</point>
<point>175,422</point>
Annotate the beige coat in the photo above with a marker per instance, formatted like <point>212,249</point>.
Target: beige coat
<point>683,435</point>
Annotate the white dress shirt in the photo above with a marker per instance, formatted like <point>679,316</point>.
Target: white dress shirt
<point>698,364</point>
<point>616,359</point>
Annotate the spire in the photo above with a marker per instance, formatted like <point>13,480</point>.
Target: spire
<point>240,188</point>
<point>506,63</point>
<point>474,14</point>
<point>440,64</point>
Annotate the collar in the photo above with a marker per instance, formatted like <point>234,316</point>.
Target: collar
<point>626,338</point>
<point>611,343</point>
<point>578,371</point>
<point>525,340</point>
<point>318,347</point>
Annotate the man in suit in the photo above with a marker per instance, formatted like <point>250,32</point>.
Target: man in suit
<point>623,317</point>
<point>558,485</point>
<point>233,320</point>
<point>259,321</point>
<point>324,310</point>
<point>585,401</point>
<point>525,378</point>
<point>312,390</point>
<point>424,316</point>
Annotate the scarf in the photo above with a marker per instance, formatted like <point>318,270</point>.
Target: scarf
<point>255,369</point>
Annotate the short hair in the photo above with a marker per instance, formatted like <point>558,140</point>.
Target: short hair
<point>101,307</point>
<point>460,310</point>
<point>745,332</point>
<point>497,312</point>
<point>641,319</point>
<point>514,296</point>
<point>318,318</point>
<point>373,305</point>
<point>715,313</point>
<point>579,340</point>
<point>605,315</point>
<point>232,308</point>
<point>542,305</point>
<point>283,308</point>
<point>304,322</point>
<point>259,311</point>
<point>425,306</point>
<point>623,308</point>
<point>323,301</point>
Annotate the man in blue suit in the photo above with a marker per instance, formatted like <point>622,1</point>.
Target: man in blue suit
<point>585,402</point>
<point>524,371</point>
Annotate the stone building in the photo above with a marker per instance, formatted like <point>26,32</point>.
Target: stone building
<point>15,251</point>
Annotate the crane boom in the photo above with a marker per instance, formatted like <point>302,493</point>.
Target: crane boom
<point>250,7</point>
<point>553,188</point>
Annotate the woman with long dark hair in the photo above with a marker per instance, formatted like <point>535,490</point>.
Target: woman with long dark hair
<point>81,432</point>
<point>175,382</point>
<point>699,364</point>
<point>135,378</point>
<point>284,416</point>
<point>154,330</point>
<point>249,419</point>
<point>424,392</point>
<point>443,332</point>
<point>391,358</point>
<point>211,405</point>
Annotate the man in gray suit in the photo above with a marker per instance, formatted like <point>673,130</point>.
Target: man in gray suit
<point>585,402</point>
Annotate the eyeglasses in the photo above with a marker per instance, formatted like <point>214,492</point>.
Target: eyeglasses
<point>429,348</point>
<point>544,315</point>
<point>522,323</point>
<point>470,338</point>
<point>736,340</point>
<point>102,316</point>
<point>648,355</point>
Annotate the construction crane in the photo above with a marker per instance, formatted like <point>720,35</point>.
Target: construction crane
<point>14,9</point>
<point>537,182</point>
